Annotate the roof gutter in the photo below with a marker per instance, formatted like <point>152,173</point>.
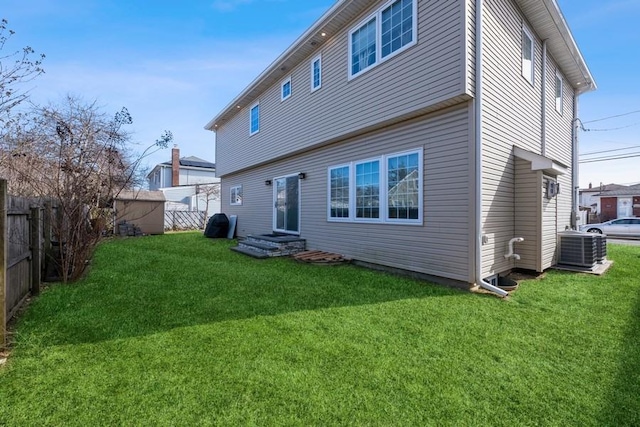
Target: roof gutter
<point>588,84</point>
<point>478,169</point>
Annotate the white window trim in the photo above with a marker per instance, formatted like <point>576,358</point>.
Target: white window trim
<point>282,85</point>
<point>559,101</point>
<point>530,75</point>
<point>313,61</point>
<point>384,212</point>
<point>329,217</point>
<point>379,59</point>
<point>233,201</point>
<point>419,220</point>
<point>353,188</point>
<point>251,132</point>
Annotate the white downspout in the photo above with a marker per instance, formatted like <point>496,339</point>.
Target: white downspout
<point>574,165</point>
<point>478,169</point>
<point>543,145</point>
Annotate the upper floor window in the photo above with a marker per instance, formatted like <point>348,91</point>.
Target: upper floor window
<point>363,47</point>
<point>316,73</point>
<point>236,195</point>
<point>527,55</point>
<point>286,89</point>
<point>559,90</point>
<point>397,26</point>
<point>389,31</point>
<point>254,119</point>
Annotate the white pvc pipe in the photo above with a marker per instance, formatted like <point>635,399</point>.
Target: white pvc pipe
<point>511,253</point>
<point>478,170</point>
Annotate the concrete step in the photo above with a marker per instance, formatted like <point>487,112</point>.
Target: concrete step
<point>250,252</point>
<point>257,245</point>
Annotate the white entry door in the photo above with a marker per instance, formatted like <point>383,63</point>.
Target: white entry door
<point>286,204</point>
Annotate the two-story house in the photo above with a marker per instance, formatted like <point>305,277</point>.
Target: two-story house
<point>187,183</point>
<point>414,134</point>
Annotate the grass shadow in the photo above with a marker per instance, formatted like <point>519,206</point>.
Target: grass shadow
<point>148,285</point>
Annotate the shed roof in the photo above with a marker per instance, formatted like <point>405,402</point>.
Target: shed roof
<point>142,195</point>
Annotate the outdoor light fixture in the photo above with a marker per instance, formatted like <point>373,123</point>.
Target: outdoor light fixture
<point>267,182</point>
<point>302,175</point>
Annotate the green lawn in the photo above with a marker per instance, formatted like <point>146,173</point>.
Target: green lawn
<point>178,330</point>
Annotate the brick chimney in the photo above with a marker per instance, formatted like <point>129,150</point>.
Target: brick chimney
<point>175,166</point>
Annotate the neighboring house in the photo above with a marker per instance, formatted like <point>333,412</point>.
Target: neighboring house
<point>590,200</point>
<point>413,134</point>
<point>620,202</point>
<point>181,171</point>
<point>186,183</point>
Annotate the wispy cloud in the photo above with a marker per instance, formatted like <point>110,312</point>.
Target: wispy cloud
<point>180,92</point>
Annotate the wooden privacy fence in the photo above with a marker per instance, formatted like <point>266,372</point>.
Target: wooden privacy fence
<point>184,220</point>
<point>21,249</point>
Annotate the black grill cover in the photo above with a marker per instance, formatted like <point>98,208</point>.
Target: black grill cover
<point>218,226</point>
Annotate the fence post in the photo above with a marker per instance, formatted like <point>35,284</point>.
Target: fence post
<point>35,250</point>
<point>3,262</point>
<point>46,225</point>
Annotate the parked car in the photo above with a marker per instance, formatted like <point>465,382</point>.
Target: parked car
<point>616,227</point>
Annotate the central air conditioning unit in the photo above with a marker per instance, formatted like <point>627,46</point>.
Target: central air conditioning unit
<point>601,247</point>
<point>579,248</point>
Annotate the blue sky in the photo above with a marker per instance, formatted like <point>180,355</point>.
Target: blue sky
<point>174,65</point>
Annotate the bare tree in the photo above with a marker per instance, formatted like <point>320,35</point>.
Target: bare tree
<point>211,193</point>
<point>76,155</point>
<point>16,68</point>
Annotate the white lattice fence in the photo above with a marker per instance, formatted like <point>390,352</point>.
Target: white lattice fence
<point>184,220</point>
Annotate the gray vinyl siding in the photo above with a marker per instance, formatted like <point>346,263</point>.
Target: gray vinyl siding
<point>426,76</point>
<point>549,227</point>
<point>470,24</point>
<point>439,247</point>
<point>196,176</point>
<point>528,215</point>
<point>512,116</point>
<point>558,141</point>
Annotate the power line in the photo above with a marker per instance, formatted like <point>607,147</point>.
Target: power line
<point>605,159</point>
<point>612,117</point>
<point>609,151</point>
<point>607,130</point>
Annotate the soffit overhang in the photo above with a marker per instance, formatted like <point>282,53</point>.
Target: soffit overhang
<point>541,163</point>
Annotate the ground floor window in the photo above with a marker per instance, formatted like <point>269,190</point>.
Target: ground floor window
<point>236,195</point>
<point>384,189</point>
<point>339,192</point>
